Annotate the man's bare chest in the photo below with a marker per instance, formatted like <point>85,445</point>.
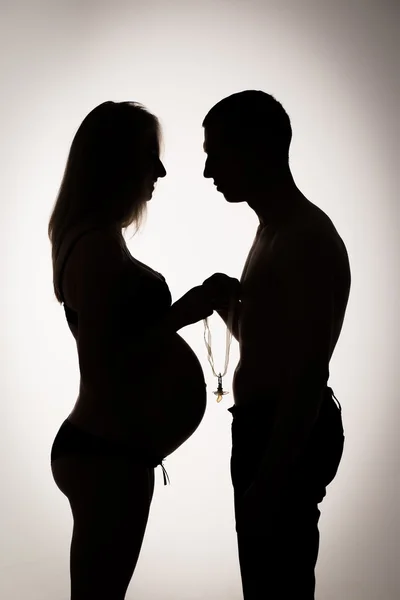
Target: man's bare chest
<point>259,261</point>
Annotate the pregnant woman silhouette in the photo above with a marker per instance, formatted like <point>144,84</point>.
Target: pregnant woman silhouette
<point>142,392</point>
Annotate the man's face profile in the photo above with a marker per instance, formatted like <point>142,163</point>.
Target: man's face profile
<point>223,165</point>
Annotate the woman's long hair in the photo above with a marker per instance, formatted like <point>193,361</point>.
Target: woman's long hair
<point>109,159</point>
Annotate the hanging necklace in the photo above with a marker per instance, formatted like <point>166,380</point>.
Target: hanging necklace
<point>207,339</point>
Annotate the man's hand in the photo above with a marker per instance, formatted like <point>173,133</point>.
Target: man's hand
<point>224,290</point>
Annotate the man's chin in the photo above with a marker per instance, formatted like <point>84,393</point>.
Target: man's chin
<point>231,199</point>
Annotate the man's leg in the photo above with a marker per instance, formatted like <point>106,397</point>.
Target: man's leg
<point>279,563</point>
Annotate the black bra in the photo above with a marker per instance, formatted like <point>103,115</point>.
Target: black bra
<point>155,295</point>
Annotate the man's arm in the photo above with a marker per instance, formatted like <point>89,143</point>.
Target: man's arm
<point>231,321</point>
<point>221,287</point>
<point>301,347</point>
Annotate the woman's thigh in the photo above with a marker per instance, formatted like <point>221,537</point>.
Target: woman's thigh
<point>110,501</point>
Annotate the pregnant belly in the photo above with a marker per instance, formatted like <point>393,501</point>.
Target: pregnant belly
<point>169,405</point>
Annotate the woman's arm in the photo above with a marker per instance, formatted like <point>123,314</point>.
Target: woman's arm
<point>114,334</point>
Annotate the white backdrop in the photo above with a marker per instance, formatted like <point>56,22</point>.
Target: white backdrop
<point>332,65</point>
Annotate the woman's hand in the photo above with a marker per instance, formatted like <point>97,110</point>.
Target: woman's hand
<point>216,293</point>
<point>194,306</point>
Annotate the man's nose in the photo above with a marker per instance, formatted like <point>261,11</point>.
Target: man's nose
<point>161,172</point>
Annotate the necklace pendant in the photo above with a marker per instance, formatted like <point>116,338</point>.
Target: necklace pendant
<point>220,392</point>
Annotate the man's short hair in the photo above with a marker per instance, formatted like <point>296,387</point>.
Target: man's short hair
<point>254,118</point>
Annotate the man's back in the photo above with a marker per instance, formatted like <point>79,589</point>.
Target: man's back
<point>295,289</point>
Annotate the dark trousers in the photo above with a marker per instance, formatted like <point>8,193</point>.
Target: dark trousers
<point>278,561</point>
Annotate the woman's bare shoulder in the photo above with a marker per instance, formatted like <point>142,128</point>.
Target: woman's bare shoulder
<point>95,263</point>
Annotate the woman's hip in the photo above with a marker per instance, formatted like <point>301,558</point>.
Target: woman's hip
<point>75,443</point>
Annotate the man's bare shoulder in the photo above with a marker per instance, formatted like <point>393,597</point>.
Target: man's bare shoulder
<point>310,230</point>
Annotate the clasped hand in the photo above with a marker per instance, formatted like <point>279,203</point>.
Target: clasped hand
<point>223,290</point>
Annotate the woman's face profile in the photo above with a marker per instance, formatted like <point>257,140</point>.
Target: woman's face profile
<point>151,166</point>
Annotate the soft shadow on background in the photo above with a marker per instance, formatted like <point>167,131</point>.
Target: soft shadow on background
<point>332,65</point>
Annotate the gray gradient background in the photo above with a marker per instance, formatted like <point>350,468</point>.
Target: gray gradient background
<point>333,66</point>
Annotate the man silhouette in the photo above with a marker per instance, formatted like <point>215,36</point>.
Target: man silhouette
<point>287,433</point>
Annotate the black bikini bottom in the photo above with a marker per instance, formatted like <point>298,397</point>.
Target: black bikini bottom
<point>70,439</point>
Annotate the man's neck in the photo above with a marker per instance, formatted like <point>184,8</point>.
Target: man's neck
<point>274,202</point>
